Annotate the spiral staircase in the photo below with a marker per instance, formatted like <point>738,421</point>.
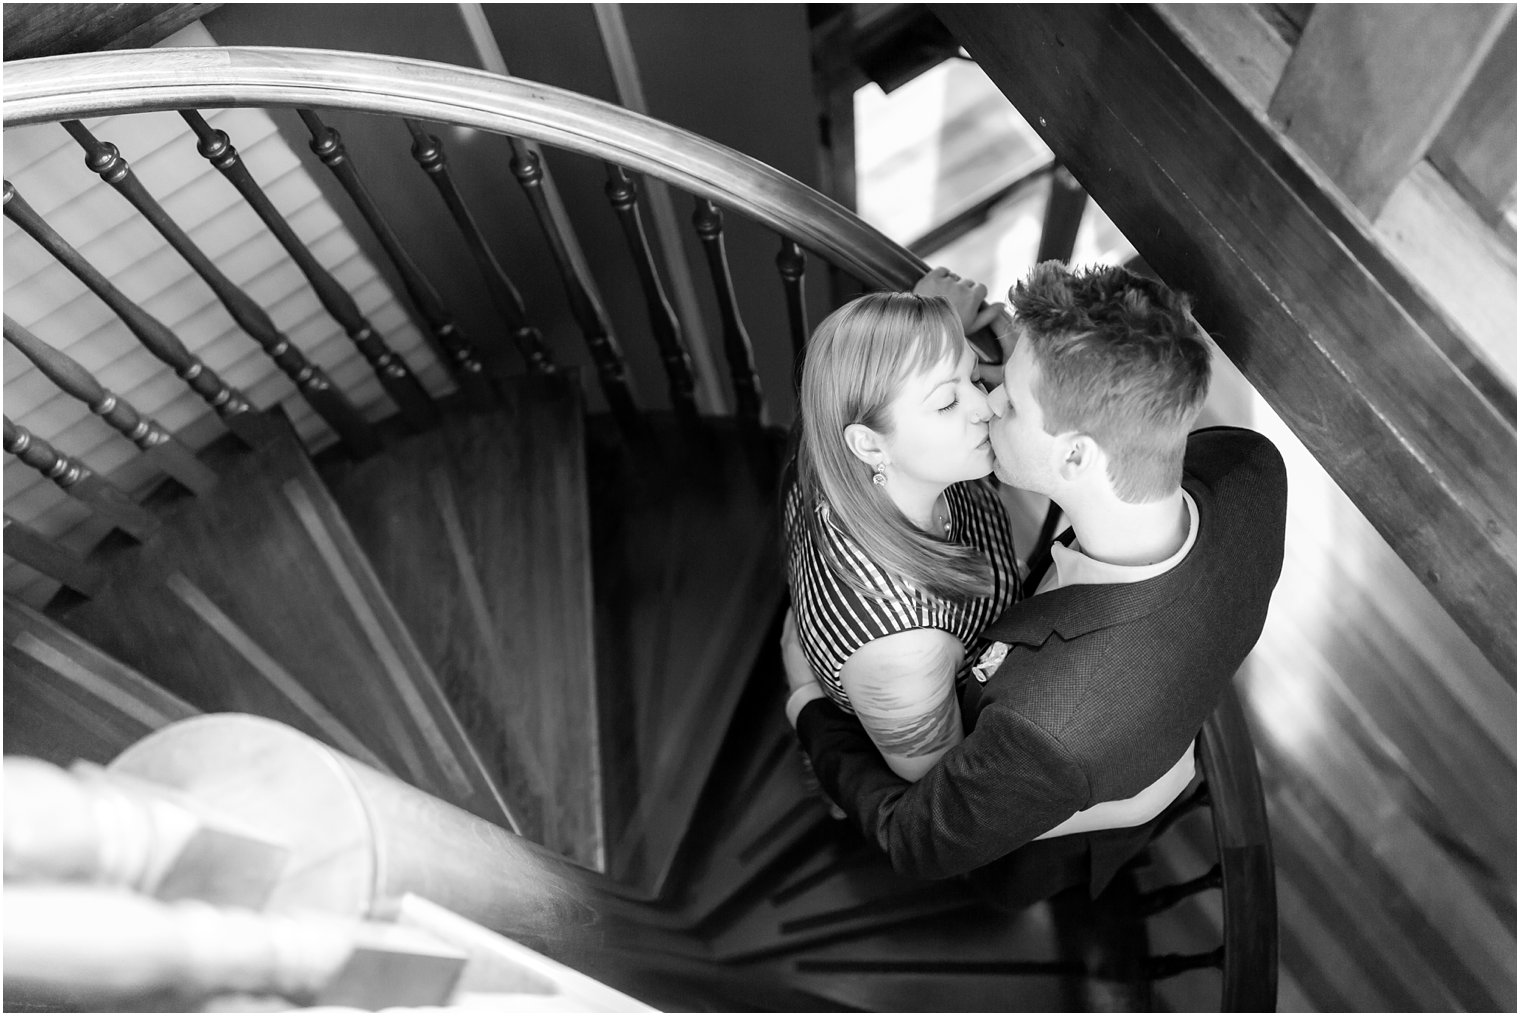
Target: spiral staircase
<point>529,641</point>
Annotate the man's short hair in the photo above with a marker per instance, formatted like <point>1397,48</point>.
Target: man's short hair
<point>1120,359</point>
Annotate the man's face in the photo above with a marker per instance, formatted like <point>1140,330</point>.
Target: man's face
<point>1024,455</point>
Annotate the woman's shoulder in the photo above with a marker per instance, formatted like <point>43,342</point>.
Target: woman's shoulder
<point>834,553</point>
<point>981,494</point>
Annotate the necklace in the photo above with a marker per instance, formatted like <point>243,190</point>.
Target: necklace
<point>942,516</point>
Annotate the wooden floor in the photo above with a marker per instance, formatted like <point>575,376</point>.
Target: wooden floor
<point>1386,740</point>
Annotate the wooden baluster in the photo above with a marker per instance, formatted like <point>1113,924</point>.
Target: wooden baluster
<point>791,262</point>
<point>395,376</point>
<point>34,550</point>
<point>428,151</point>
<point>1063,217</point>
<point>93,948</point>
<point>177,460</point>
<point>92,825</point>
<point>229,403</point>
<point>459,353</point>
<point>313,384</point>
<point>585,303</point>
<point>741,361</point>
<point>624,195</point>
<point>76,479</point>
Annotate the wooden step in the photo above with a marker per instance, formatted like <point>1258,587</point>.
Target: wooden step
<point>688,590</point>
<point>850,900</point>
<point>975,961</point>
<point>66,700</point>
<point>757,820</point>
<point>1069,953</point>
<point>478,530</point>
<point>257,598</point>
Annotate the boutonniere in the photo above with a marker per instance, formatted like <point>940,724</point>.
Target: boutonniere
<point>990,660</point>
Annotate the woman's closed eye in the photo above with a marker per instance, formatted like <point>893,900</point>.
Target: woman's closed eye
<point>953,403</point>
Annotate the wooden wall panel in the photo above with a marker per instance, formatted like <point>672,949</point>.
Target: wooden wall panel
<point>1476,148</point>
<point>1369,87</point>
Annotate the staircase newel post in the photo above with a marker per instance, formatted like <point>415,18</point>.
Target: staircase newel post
<point>359,839</point>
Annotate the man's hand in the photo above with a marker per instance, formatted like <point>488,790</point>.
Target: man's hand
<point>964,296</point>
<point>798,673</point>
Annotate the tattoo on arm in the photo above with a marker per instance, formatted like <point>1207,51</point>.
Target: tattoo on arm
<point>914,735</point>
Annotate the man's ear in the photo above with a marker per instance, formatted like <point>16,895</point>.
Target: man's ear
<point>1080,455</point>
<point>865,443</point>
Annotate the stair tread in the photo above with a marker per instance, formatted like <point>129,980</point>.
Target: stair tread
<point>858,898</point>
<point>256,598</point>
<point>756,812</point>
<point>688,587</point>
<point>479,531</point>
<point>66,700</point>
<point>985,960</point>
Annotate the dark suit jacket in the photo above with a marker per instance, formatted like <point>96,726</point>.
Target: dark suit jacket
<point>1102,690</point>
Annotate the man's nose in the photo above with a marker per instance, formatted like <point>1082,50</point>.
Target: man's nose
<point>997,401</point>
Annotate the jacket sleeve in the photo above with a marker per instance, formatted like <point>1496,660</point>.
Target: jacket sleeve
<point>1007,783</point>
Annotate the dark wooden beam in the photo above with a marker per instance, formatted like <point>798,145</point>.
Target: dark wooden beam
<point>1208,197</point>
<point>50,29</point>
<point>1357,103</point>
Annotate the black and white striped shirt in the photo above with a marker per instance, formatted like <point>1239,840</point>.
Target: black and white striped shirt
<point>834,619</point>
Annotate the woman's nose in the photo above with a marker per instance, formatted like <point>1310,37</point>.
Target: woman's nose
<point>981,412</point>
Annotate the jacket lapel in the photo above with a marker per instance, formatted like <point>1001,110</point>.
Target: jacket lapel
<point>1074,611</point>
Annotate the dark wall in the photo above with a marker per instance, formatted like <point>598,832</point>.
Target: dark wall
<point>737,73</point>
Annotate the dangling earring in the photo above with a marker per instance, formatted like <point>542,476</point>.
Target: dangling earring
<point>879,474</point>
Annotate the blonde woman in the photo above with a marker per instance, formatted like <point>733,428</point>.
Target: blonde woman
<point>899,550</point>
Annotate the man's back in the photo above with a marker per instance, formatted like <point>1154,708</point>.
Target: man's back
<point>1123,676</point>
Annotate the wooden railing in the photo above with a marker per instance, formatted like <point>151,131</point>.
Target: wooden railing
<point>69,89</point>
<point>142,885</point>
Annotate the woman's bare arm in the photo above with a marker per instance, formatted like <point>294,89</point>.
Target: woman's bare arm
<point>902,688</point>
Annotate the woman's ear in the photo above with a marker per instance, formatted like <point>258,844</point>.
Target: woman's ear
<point>864,443</point>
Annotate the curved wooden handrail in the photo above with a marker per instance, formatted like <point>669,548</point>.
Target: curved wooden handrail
<point>129,81</point>
<point>1244,842</point>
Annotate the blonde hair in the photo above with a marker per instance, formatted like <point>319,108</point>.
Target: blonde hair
<point>857,361</point>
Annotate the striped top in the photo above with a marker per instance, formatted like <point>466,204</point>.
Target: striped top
<point>834,619</point>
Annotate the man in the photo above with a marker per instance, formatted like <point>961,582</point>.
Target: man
<point>1131,625</point>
